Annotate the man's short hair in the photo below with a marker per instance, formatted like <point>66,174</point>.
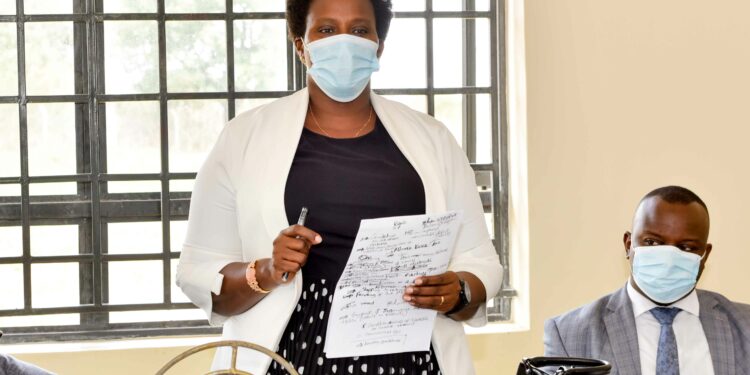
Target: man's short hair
<point>676,194</point>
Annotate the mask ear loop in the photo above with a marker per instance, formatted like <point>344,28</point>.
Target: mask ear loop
<point>703,256</point>
<point>306,48</point>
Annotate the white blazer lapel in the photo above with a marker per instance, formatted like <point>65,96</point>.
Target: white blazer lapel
<point>282,137</point>
<point>403,128</point>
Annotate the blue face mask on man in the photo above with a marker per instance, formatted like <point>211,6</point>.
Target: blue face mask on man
<point>665,273</point>
<point>342,65</point>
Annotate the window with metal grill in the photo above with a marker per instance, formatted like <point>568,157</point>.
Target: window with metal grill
<point>108,108</point>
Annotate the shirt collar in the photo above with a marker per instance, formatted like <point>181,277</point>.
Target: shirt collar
<point>641,304</point>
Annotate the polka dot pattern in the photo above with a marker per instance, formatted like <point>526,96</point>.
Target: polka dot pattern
<point>303,341</point>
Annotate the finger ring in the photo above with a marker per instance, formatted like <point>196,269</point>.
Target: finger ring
<point>442,300</point>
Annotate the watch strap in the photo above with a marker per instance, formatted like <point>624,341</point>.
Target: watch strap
<point>462,300</point>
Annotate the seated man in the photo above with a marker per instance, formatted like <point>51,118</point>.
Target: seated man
<point>659,323</point>
<point>12,366</point>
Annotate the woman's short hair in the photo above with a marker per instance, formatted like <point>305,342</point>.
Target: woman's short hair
<point>296,17</point>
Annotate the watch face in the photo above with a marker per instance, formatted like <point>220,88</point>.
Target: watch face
<point>467,290</point>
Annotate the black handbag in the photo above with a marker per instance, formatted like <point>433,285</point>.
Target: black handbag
<point>563,366</point>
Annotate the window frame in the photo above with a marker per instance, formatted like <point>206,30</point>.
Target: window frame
<point>92,207</point>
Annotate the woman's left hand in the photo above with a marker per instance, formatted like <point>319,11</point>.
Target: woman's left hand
<point>438,292</point>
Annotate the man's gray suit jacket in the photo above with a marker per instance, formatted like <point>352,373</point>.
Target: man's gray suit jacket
<point>605,329</point>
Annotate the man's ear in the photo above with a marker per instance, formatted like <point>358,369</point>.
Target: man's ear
<point>709,247</point>
<point>627,241</point>
<point>381,45</point>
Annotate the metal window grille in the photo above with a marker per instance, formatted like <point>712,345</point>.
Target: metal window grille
<point>92,207</point>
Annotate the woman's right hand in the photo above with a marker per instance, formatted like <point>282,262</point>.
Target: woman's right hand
<point>290,250</point>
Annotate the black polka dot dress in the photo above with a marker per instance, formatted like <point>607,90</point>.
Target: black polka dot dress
<point>343,181</point>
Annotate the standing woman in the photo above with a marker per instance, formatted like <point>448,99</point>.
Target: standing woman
<point>347,154</point>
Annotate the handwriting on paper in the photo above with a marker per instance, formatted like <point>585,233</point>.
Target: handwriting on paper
<point>368,315</point>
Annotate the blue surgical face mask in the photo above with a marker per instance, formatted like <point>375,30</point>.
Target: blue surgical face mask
<point>342,65</point>
<point>665,273</point>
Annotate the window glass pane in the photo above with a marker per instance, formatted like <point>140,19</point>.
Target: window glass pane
<point>11,277</point>
<point>194,6</point>
<point>10,190</point>
<point>134,238</point>
<point>10,142</point>
<point>8,59</point>
<point>260,55</point>
<point>194,126</point>
<point>118,187</point>
<point>457,5</point>
<point>40,320</point>
<point>54,285</point>
<point>53,188</point>
<point>448,52</point>
<point>408,5</point>
<point>156,315</point>
<point>483,60</point>
<point>447,5</point>
<point>259,5</point>
<point>50,240</point>
<point>484,128</point>
<point>49,57</point>
<point>135,282</point>
<point>177,294</point>
<point>403,62</point>
<point>196,56</point>
<point>7,7</point>
<point>242,105</point>
<point>177,233</point>
<point>489,219</point>
<point>11,244</point>
<point>181,185</point>
<point>416,102</point>
<point>52,143</point>
<point>133,126</point>
<point>129,6</point>
<point>47,7</point>
<point>449,110</point>
<point>483,180</point>
<point>131,57</point>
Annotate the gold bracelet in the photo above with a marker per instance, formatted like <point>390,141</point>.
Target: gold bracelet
<point>252,281</point>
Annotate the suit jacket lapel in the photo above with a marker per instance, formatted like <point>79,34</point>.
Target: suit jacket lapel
<point>718,333</point>
<point>623,337</point>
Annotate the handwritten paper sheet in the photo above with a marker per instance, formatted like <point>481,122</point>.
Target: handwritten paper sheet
<point>369,315</point>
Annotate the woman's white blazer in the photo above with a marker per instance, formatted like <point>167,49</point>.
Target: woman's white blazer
<point>237,210</point>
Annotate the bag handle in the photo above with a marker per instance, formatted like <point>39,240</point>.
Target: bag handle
<point>531,366</point>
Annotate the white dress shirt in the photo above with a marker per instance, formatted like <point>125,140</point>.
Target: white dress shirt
<point>692,346</point>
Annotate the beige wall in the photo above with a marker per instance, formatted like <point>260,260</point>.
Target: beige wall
<point>623,96</point>
<point>119,362</point>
